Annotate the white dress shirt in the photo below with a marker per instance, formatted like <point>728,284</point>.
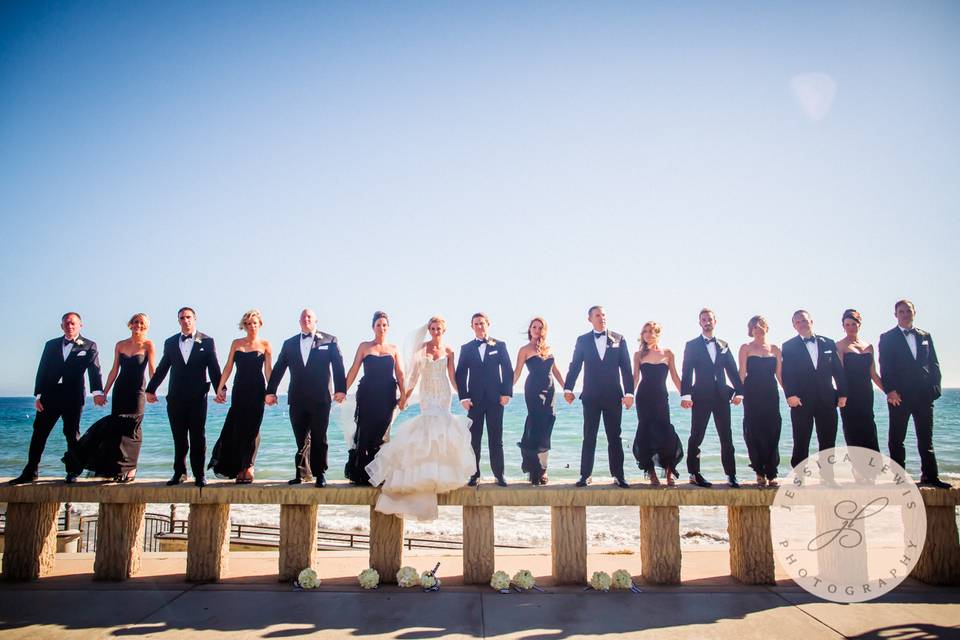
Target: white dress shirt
<point>711,349</point>
<point>601,343</point>
<point>305,345</point>
<point>482,349</point>
<point>813,350</point>
<point>186,346</point>
<point>911,341</point>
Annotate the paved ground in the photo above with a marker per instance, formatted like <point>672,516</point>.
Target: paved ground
<point>251,604</point>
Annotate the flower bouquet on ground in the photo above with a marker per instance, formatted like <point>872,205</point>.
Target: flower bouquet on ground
<point>600,581</point>
<point>500,582</point>
<point>369,578</point>
<point>429,580</point>
<point>307,579</point>
<point>523,580</point>
<point>408,577</point>
<point>623,580</point>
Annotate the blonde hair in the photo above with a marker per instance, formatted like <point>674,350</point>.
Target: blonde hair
<point>439,320</point>
<point>754,322</point>
<point>655,328</point>
<point>249,315</point>
<point>543,349</point>
<point>135,317</point>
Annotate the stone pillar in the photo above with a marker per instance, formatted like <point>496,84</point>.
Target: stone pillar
<point>208,542</point>
<point>298,539</point>
<point>119,541</point>
<point>568,544</point>
<point>30,540</point>
<point>939,561</point>
<point>660,544</point>
<point>751,547</point>
<point>386,545</point>
<point>478,549</point>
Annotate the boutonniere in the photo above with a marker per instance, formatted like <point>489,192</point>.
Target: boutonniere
<point>78,342</point>
<point>491,342</point>
<point>613,343</point>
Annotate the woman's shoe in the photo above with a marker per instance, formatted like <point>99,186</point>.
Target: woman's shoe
<point>543,478</point>
<point>761,481</point>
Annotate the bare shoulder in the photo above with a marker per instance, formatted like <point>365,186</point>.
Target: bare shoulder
<point>448,350</point>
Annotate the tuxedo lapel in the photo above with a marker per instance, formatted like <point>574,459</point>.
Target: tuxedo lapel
<point>193,350</point>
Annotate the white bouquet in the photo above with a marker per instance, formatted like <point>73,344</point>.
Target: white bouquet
<point>427,580</point>
<point>500,581</point>
<point>523,579</point>
<point>369,578</point>
<point>622,579</point>
<point>600,581</point>
<point>308,579</point>
<point>408,577</point>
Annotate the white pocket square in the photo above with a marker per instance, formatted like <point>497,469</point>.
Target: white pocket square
<point>826,351</point>
<point>925,342</point>
<point>492,352</point>
<point>83,353</point>
<point>323,346</point>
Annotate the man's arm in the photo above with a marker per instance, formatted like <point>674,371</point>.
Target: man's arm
<point>336,362</point>
<point>279,370</point>
<point>839,377</point>
<point>160,373</point>
<point>41,370</point>
<point>573,372</point>
<point>935,378</point>
<point>93,370</point>
<point>888,367</point>
<point>506,371</point>
<point>461,374</point>
<point>686,373</point>
<point>213,366</point>
<point>733,372</point>
<point>625,372</point>
<point>787,372</point>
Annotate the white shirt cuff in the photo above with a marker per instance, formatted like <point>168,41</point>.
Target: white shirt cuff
<point>628,395</point>
<point>97,393</point>
<point>686,398</point>
<point>38,396</point>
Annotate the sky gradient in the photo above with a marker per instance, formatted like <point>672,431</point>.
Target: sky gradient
<point>518,158</point>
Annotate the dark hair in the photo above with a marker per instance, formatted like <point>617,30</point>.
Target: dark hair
<point>64,317</point>
<point>706,310</point>
<point>905,302</point>
<point>190,309</point>
<point>593,308</point>
<point>754,322</point>
<point>852,314</point>
<point>798,312</point>
<point>479,314</point>
<point>377,315</point>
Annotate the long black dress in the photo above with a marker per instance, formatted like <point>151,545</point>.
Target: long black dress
<point>761,415</point>
<point>859,427</point>
<point>538,393</point>
<point>656,441</point>
<point>236,448</point>
<point>111,446</point>
<point>376,399</point>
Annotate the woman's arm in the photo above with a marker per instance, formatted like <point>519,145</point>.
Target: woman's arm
<point>267,360</point>
<point>779,356</point>
<point>227,370</point>
<point>521,358</point>
<point>451,370</point>
<point>114,371</point>
<point>355,367</point>
<point>673,368</point>
<point>743,362</point>
<point>151,357</point>
<point>877,380</point>
<point>636,366</point>
<point>557,374</point>
<point>398,374</point>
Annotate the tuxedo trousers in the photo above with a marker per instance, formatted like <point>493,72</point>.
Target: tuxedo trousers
<point>54,408</point>
<point>921,409</point>
<point>490,413</point>
<point>719,408</point>
<point>188,421</point>
<point>803,419</point>
<point>612,414</point>
<point>310,421</point>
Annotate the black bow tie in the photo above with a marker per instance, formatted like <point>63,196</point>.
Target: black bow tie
<point>908,332</point>
<point>811,339</point>
<point>304,336</point>
<point>67,341</point>
<point>597,336</point>
<point>184,338</point>
<point>479,341</point>
<point>709,340</point>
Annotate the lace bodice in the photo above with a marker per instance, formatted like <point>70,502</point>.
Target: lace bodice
<point>434,389</point>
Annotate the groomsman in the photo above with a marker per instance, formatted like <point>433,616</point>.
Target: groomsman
<point>605,359</point>
<point>189,356</point>
<point>485,385</point>
<point>707,363</point>
<point>911,378</point>
<point>810,363</point>
<point>310,355</point>
<point>59,391</point>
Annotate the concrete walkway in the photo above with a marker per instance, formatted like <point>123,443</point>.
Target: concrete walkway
<point>251,604</point>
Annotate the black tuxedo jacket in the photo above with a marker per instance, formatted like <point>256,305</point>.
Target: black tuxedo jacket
<point>65,377</point>
<point>601,378</point>
<point>310,383</point>
<point>901,372</point>
<point>484,381</point>
<point>813,386</point>
<point>704,379</point>
<point>188,380</point>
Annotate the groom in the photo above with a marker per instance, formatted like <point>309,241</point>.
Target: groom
<point>485,385</point>
<point>605,359</point>
<point>310,355</point>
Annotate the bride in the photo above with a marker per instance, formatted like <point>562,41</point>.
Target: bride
<point>430,453</point>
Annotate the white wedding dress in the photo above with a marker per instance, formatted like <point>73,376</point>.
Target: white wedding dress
<point>428,454</point>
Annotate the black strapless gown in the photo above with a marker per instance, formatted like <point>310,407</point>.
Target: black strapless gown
<point>236,448</point>
<point>376,399</point>
<point>111,446</point>
<point>656,442</point>
<point>761,415</point>
<point>538,393</point>
<point>859,426</point>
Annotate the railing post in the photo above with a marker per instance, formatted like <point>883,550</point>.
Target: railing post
<point>751,547</point>
<point>30,543</point>
<point>386,544</point>
<point>208,542</point>
<point>660,544</point>
<point>478,545</point>
<point>568,544</point>
<point>298,539</point>
<point>939,561</point>
<point>68,516</point>
<point>119,541</point>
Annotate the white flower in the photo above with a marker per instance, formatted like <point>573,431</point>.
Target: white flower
<point>500,581</point>
<point>622,579</point>
<point>524,579</point>
<point>308,579</point>
<point>600,581</point>
<point>492,342</point>
<point>408,577</point>
<point>79,342</point>
<point>369,578</point>
<point>427,580</point>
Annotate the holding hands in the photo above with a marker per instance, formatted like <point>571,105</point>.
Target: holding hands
<point>100,400</point>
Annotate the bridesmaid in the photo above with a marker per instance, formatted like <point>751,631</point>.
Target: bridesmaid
<point>111,446</point>
<point>376,397</point>
<point>538,392</point>
<point>235,452</point>
<point>859,427</point>
<point>760,364</point>
<point>656,440</point>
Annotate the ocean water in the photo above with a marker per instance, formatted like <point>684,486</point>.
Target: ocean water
<point>607,526</point>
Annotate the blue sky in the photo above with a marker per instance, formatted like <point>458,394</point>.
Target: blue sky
<point>520,158</point>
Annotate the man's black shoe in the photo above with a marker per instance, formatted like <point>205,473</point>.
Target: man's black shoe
<point>583,481</point>
<point>71,478</point>
<point>935,482</point>
<point>178,478</point>
<point>501,482</point>
<point>321,482</point>
<point>620,482</point>
<point>23,478</point>
<point>732,482</point>
<point>200,482</point>
<point>700,481</point>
